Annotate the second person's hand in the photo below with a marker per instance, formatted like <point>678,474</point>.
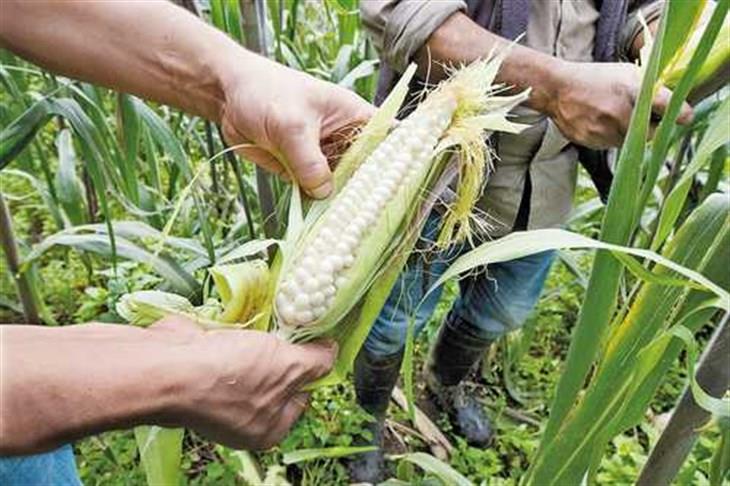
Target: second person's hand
<point>592,102</point>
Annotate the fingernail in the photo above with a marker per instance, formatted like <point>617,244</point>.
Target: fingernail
<point>321,191</point>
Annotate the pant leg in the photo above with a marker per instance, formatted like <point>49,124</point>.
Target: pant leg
<point>390,329</point>
<point>500,300</point>
<point>55,468</point>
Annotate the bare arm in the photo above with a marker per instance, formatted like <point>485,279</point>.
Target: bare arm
<point>590,102</point>
<point>162,52</point>
<point>241,388</point>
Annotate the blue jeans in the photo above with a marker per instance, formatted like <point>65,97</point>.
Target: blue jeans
<point>491,302</point>
<point>55,468</point>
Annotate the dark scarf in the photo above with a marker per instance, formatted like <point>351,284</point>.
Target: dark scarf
<point>513,15</point>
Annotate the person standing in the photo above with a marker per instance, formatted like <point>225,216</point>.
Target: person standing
<point>577,59</point>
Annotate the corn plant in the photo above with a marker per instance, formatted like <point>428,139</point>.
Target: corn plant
<point>624,349</point>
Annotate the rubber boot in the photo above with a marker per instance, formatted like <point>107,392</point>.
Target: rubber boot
<point>375,378</point>
<point>454,355</point>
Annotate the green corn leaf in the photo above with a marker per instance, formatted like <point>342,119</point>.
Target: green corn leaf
<point>715,137</point>
<point>720,462</point>
<point>447,474</point>
<point>524,243</point>
<point>248,249</point>
<point>303,455</point>
<point>599,303</point>
<point>161,133</point>
<point>55,209</point>
<point>718,407</point>
<point>685,17</point>
<point>653,364</point>
<point>180,280</point>
<point>18,134</point>
<point>69,189</point>
<point>665,131</point>
<point>718,58</point>
<point>606,402</point>
<point>161,453</point>
<point>129,134</point>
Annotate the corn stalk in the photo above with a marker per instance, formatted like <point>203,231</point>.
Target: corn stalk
<point>22,281</point>
<point>689,418</point>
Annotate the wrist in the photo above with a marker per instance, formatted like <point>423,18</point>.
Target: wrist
<point>545,94</point>
<point>238,67</point>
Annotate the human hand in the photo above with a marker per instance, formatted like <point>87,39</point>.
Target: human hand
<point>243,388</point>
<point>288,118</point>
<point>593,102</point>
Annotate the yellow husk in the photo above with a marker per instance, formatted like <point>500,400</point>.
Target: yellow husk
<point>718,58</point>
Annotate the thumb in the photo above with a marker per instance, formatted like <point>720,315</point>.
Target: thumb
<point>317,359</point>
<point>308,164</point>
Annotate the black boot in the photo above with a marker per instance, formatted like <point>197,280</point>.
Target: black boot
<point>375,378</point>
<point>454,355</point>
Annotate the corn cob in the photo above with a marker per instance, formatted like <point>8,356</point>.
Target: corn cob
<point>336,261</point>
<point>325,267</point>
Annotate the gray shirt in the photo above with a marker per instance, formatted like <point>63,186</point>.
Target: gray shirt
<point>561,28</point>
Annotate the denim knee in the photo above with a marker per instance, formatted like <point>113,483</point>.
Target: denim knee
<point>55,468</point>
<point>500,300</point>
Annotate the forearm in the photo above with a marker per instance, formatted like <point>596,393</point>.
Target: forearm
<point>460,40</point>
<point>153,49</point>
<point>61,384</point>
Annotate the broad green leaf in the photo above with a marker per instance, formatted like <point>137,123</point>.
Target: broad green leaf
<point>376,129</point>
<point>42,189</point>
<point>606,402</point>
<point>17,135</point>
<point>161,453</point>
<point>684,16</point>
<point>652,365</point>
<point>303,455</point>
<point>524,243</point>
<point>600,299</point>
<point>448,475</point>
<point>161,133</point>
<point>664,133</point>
<point>129,134</point>
<point>69,190</point>
<point>717,135</point>
<point>719,407</point>
<point>250,248</point>
<point>720,462</point>
<point>181,281</point>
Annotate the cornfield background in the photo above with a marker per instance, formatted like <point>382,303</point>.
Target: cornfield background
<point>103,194</point>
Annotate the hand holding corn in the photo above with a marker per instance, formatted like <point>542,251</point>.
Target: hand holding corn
<point>239,388</point>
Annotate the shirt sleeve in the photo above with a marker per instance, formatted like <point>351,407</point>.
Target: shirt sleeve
<point>400,27</point>
<point>633,27</point>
